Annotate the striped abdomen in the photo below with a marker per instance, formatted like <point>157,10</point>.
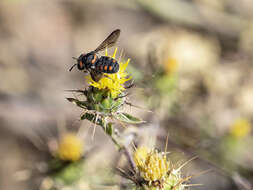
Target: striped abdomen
<point>107,65</point>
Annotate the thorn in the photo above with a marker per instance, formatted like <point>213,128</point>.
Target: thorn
<point>165,153</point>
<point>181,181</point>
<point>120,56</point>
<point>192,185</point>
<point>167,140</point>
<point>95,125</point>
<point>114,53</point>
<point>135,148</point>
<point>123,96</point>
<point>189,177</point>
<point>130,85</point>
<point>128,103</point>
<point>123,173</point>
<point>122,124</point>
<point>74,91</point>
<point>184,164</point>
<point>130,159</point>
<point>201,173</point>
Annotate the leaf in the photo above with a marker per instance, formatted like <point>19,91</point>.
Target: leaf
<point>82,104</point>
<point>109,129</point>
<point>88,116</point>
<point>92,117</point>
<point>127,118</point>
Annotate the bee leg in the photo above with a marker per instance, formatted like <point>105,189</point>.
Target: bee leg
<point>96,76</point>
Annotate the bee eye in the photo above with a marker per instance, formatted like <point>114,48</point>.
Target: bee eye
<point>80,65</point>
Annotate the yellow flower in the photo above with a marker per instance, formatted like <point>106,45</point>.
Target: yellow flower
<point>70,147</point>
<point>171,65</point>
<point>152,165</point>
<point>112,82</point>
<point>240,128</point>
<point>154,171</point>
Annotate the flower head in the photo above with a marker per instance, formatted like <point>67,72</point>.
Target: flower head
<point>154,170</point>
<point>152,165</point>
<point>112,82</point>
<point>240,128</point>
<point>70,147</point>
<point>171,65</point>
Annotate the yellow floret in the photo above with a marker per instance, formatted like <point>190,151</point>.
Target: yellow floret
<point>140,156</point>
<point>152,165</point>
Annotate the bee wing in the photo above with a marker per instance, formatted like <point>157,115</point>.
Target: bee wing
<point>109,41</point>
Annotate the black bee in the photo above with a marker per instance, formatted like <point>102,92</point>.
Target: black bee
<point>95,65</point>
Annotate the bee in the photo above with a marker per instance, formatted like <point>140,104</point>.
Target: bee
<point>96,65</point>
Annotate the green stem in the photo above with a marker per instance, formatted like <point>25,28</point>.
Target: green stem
<point>114,140</point>
<point>116,143</point>
<point>108,129</point>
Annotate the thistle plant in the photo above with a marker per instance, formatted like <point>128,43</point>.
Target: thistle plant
<point>102,104</point>
<point>233,143</point>
<point>103,100</point>
<point>155,171</point>
<point>62,159</point>
<point>66,163</point>
<point>152,171</point>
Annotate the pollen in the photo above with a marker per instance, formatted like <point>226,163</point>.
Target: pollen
<point>70,147</point>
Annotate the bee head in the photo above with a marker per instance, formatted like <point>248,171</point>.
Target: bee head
<point>81,61</point>
<point>79,64</point>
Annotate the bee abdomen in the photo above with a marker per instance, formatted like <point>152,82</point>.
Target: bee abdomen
<point>107,65</point>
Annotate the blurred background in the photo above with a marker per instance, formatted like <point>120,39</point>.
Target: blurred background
<point>191,61</point>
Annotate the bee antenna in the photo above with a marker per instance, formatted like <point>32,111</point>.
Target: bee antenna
<point>74,58</point>
<point>72,67</point>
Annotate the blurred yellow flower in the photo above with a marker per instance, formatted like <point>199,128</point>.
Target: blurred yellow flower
<point>152,165</point>
<point>240,128</point>
<point>171,65</point>
<point>112,82</point>
<point>70,147</point>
